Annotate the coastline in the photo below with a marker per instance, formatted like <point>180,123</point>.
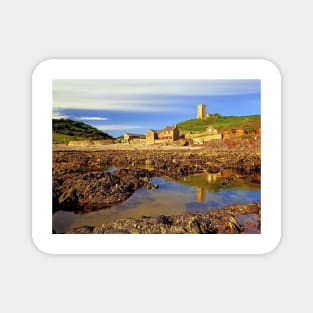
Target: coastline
<point>226,220</point>
<point>81,184</point>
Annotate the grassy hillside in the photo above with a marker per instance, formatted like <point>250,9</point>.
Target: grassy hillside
<point>65,130</point>
<point>222,123</point>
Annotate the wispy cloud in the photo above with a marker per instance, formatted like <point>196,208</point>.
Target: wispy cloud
<point>138,105</point>
<point>93,118</point>
<point>141,95</point>
<point>57,115</point>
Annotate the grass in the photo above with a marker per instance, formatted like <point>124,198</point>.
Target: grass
<point>222,123</point>
<point>65,130</point>
<point>57,137</point>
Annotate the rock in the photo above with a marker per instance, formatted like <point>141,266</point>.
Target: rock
<point>213,169</point>
<point>194,227</point>
<point>167,220</point>
<point>206,228</point>
<point>231,228</point>
<point>80,185</point>
<point>256,179</point>
<point>215,221</point>
<point>97,189</point>
<point>228,180</point>
<point>82,230</point>
<point>69,199</point>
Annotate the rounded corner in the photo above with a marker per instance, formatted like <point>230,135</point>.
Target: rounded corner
<point>272,66</point>
<point>273,246</point>
<point>41,66</point>
<point>37,245</point>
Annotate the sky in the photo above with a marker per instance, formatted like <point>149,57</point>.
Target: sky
<point>135,106</point>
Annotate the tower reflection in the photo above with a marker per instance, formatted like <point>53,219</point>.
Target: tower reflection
<point>200,194</point>
<point>202,190</point>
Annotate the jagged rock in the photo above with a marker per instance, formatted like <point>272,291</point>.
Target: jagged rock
<point>97,189</point>
<point>80,182</point>
<point>222,221</point>
<point>229,179</point>
<point>174,163</point>
<point>213,169</point>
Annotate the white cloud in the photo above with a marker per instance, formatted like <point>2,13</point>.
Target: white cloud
<point>113,105</point>
<point>58,115</point>
<point>141,95</point>
<point>162,87</point>
<point>94,118</point>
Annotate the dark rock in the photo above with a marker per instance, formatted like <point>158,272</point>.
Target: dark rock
<point>148,186</point>
<point>213,169</point>
<point>82,230</point>
<point>69,199</point>
<point>80,184</point>
<point>167,220</point>
<point>194,227</point>
<point>97,189</point>
<point>229,180</point>
<point>215,221</point>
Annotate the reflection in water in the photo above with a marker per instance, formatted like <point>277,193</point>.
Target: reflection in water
<point>211,178</point>
<point>201,190</point>
<point>194,193</point>
<point>200,194</point>
<point>201,183</point>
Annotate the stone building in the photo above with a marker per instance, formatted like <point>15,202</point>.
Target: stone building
<point>231,133</point>
<point>151,136</point>
<point>169,133</point>
<point>201,111</point>
<point>132,138</point>
<point>238,132</point>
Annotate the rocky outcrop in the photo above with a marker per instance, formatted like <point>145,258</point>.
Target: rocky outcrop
<point>80,183</point>
<point>170,163</point>
<point>94,190</point>
<point>218,221</point>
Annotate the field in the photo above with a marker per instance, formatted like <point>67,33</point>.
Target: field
<point>222,123</point>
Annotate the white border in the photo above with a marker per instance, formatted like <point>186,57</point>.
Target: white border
<point>262,69</point>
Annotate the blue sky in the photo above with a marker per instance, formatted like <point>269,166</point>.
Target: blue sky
<point>120,106</point>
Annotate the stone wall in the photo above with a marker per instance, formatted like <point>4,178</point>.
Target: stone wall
<point>151,136</point>
<point>84,143</point>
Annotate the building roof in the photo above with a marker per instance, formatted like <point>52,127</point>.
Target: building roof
<point>169,128</point>
<point>166,128</point>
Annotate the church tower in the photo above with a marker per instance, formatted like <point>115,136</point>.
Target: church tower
<point>201,111</point>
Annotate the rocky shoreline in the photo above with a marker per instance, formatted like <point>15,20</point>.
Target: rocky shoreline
<point>173,163</point>
<point>81,184</point>
<point>94,190</point>
<point>217,221</point>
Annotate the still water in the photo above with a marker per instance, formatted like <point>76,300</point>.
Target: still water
<point>194,193</point>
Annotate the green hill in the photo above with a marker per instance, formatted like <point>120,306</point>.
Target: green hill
<point>221,123</point>
<point>65,130</point>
